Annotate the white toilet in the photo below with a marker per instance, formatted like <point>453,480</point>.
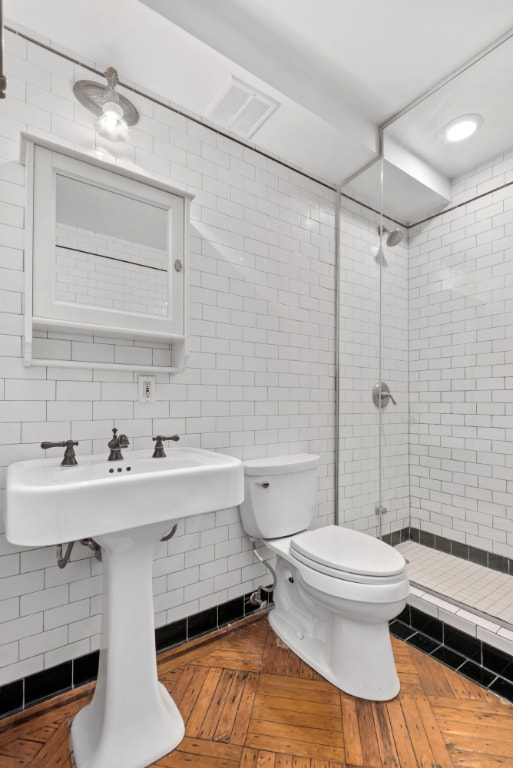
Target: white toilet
<point>336,589</point>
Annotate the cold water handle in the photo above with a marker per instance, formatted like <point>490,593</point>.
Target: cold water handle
<point>159,452</point>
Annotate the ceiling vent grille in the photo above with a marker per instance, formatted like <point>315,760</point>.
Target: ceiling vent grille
<point>241,108</point>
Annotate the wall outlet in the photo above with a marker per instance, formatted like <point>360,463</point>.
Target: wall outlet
<point>146,389</point>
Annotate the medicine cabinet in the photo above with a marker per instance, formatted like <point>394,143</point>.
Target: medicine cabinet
<point>106,264</point>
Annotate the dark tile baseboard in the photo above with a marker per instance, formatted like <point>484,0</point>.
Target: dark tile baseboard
<point>30,690</point>
<point>476,660</point>
<point>456,548</point>
<point>480,662</point>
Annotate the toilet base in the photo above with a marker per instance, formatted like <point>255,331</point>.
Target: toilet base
<point>354,654</point>
<point>358,663</point>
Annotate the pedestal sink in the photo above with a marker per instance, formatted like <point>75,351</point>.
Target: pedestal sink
<point>127,507</point>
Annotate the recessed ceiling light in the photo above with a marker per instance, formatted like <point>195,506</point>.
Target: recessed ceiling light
<point>462,128</point>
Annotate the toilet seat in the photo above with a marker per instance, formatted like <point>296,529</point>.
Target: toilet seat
<point>349,555</point>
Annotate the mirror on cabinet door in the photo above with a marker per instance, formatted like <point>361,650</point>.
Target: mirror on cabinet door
<point>111,251</point>
<point>106,263</point>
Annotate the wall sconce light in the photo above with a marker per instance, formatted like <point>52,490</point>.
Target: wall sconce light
<point>115,112</point>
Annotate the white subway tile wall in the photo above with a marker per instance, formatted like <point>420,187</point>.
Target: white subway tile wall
<point>461,365</point>
<point>259,381</point>
<point>261,375</point>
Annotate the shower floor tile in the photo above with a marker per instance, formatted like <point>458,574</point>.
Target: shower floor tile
<point>465,588</point>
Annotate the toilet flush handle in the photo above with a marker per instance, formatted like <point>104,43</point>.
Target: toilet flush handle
<point>265,485</point>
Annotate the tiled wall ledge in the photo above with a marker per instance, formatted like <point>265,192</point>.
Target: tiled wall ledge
<point>26,692</point>
<point>456,548</point>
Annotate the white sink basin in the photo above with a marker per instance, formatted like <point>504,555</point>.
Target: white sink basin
<point>50,504</point>
<point>127,507</point>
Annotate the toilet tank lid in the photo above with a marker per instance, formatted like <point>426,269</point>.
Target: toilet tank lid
<point>279,465</point>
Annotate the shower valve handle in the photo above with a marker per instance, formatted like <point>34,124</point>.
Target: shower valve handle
<point>381,395</point>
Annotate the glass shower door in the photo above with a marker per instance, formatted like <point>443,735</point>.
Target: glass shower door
<point>373,493</point>
<point>393,504</point>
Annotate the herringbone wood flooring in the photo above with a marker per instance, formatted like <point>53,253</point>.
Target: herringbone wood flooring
<point>249,702</point>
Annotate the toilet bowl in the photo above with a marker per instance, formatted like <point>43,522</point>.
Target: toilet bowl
<point>336,588</point>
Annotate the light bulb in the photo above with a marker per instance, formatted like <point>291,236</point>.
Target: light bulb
<point>111,124</point>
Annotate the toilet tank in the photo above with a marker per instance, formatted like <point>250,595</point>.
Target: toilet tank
<point>279,495</point>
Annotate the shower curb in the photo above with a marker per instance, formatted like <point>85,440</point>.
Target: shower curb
<point>483,664</point>
<point>464,643</point>
<point>451,547</point>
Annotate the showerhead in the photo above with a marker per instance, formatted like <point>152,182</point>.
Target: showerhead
<point>394,236</point>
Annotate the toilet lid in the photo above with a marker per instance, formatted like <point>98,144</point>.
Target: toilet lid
<point>347,551</point>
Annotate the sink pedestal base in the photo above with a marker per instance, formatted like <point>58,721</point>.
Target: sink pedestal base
<point>132,720</point>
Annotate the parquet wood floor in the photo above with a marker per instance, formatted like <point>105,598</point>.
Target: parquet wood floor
<point>249,702</point>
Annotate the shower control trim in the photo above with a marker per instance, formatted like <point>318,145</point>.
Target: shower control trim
<point>381,395</point>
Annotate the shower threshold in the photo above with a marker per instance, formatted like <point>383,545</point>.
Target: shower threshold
<point>452,612</point>
<point>461,593</point>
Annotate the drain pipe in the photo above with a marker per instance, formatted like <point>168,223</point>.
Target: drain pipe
<point>256,596</point>
<point>63,559</point>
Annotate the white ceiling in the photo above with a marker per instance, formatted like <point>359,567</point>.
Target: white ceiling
<point>338,68</point>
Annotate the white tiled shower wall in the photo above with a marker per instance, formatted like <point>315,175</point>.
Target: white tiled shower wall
<point>461,364</point>
<point>259,381</point>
